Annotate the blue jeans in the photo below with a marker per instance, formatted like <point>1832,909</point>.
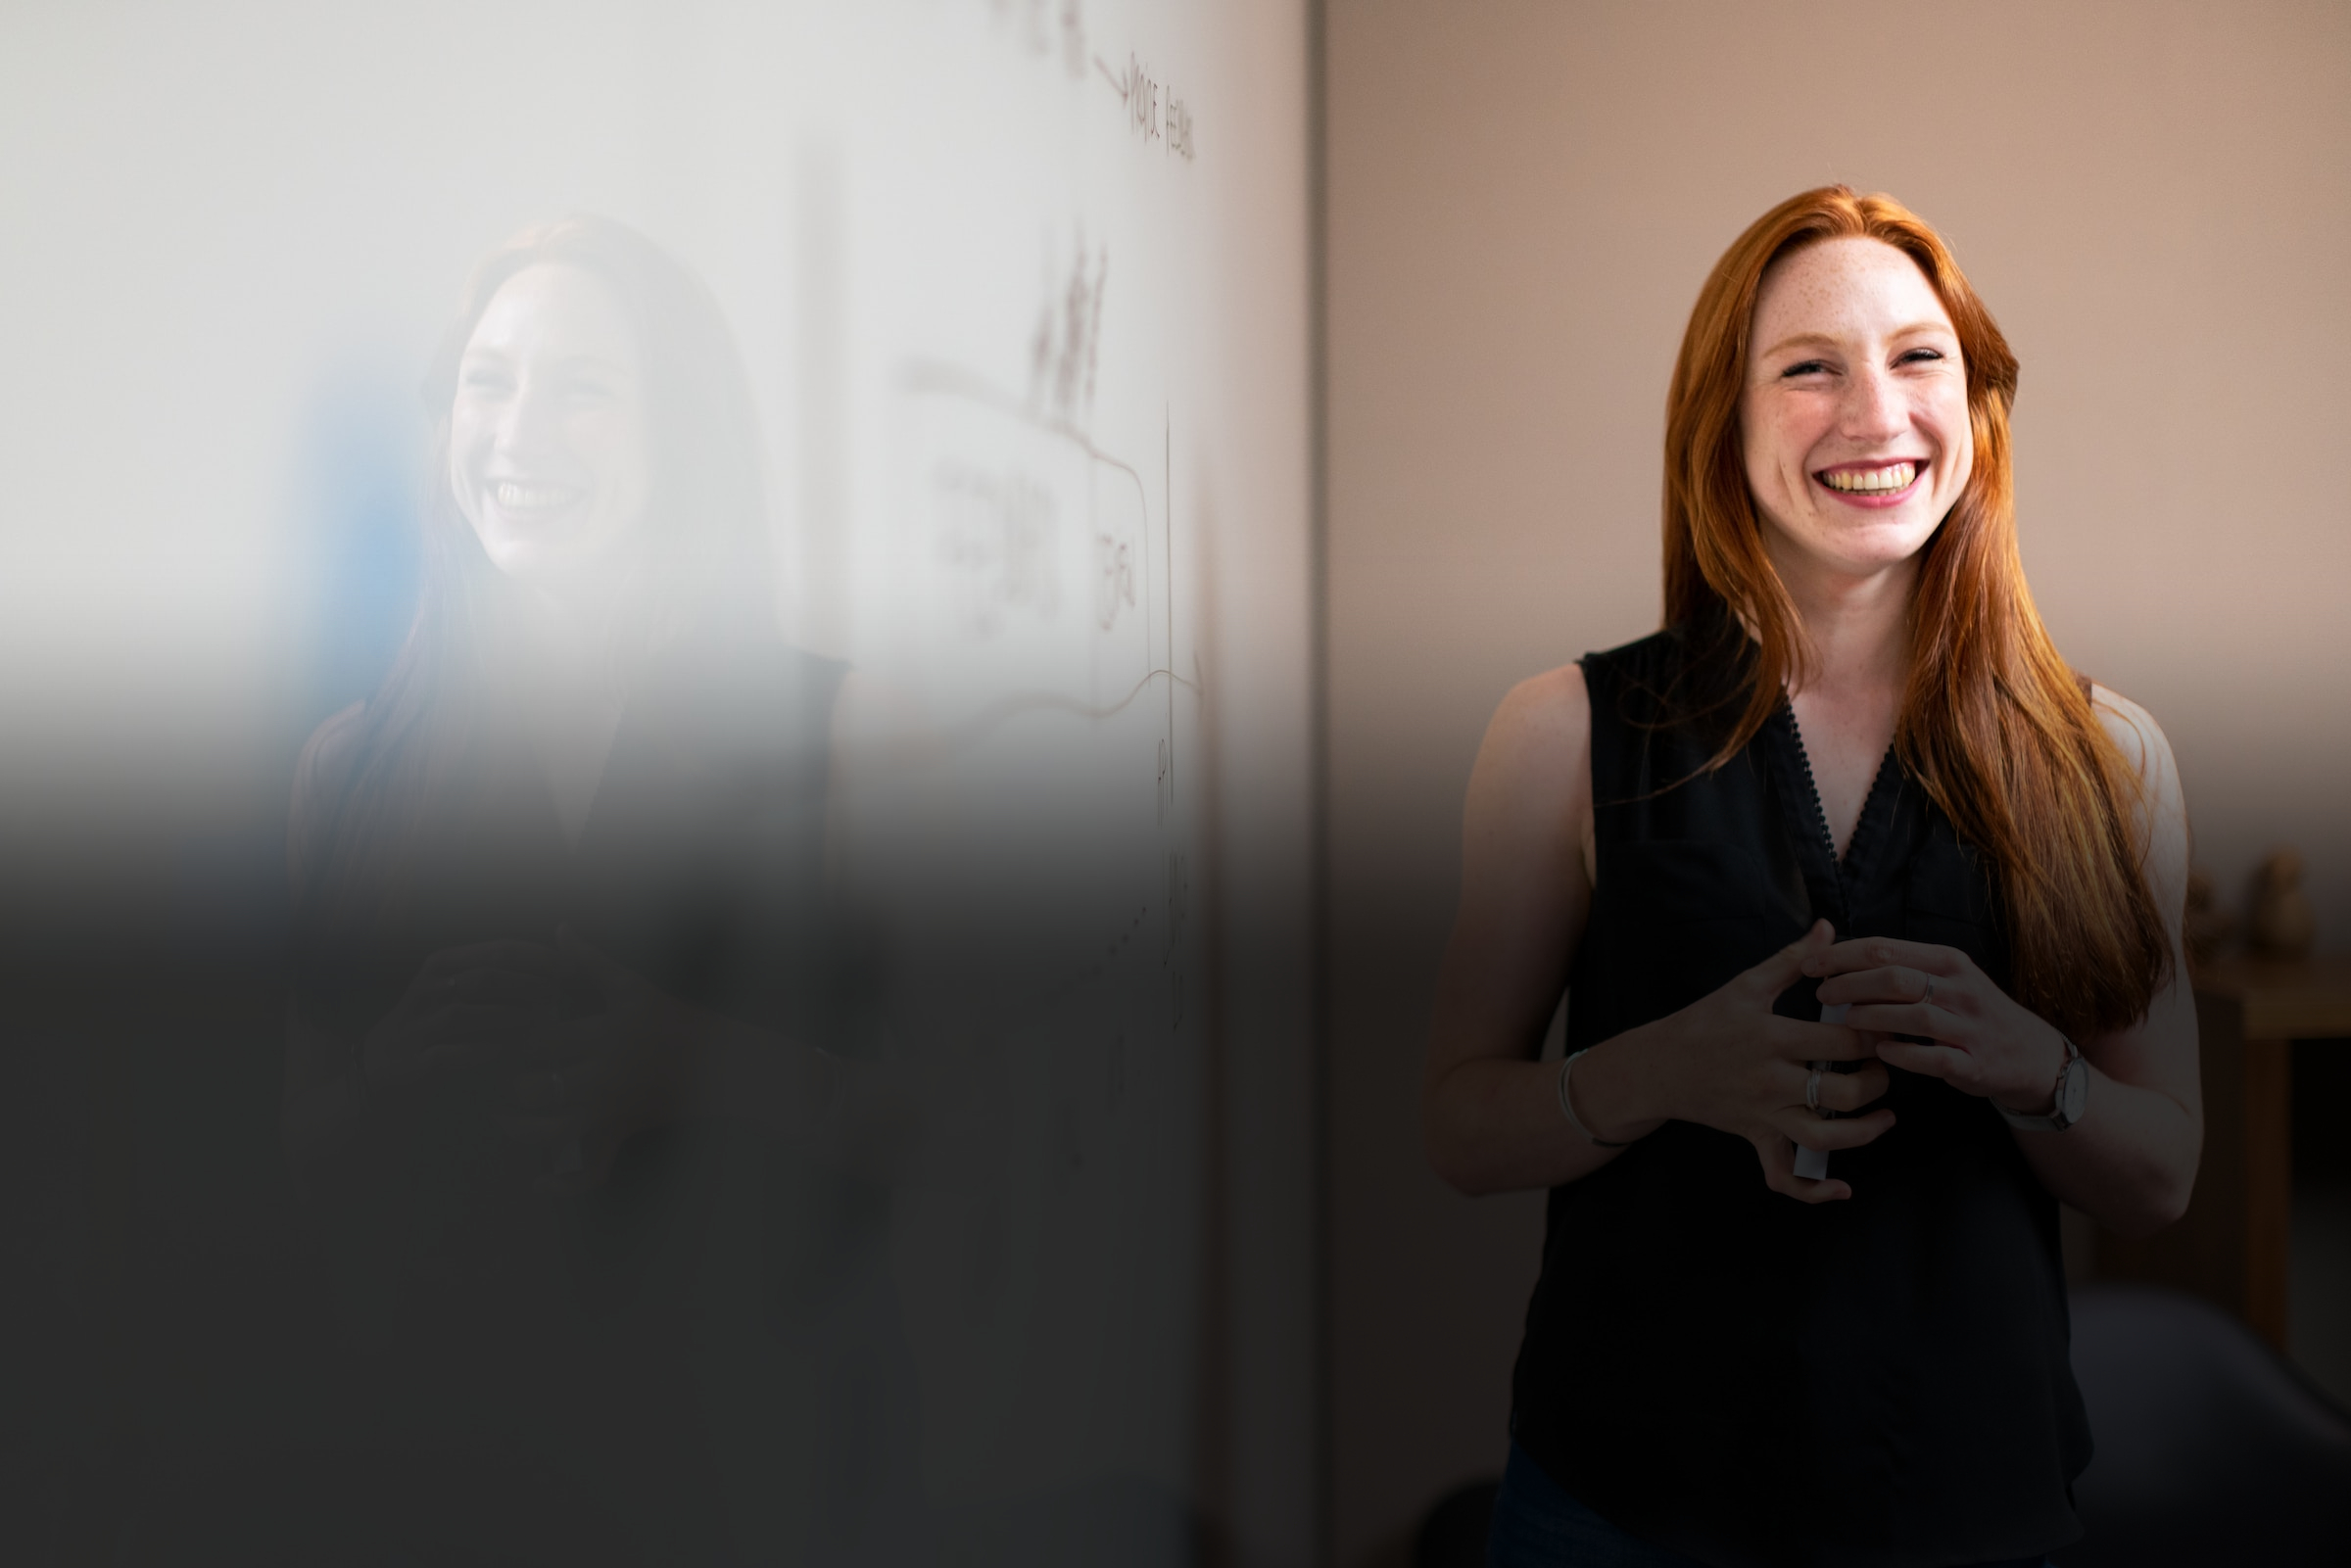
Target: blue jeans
<point>1539,1524</point>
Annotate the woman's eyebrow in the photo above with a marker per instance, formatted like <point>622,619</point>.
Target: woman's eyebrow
<point>1800,340</point>
<point>1828,340</point>
<point>596,361</point>
<point>568,362</point>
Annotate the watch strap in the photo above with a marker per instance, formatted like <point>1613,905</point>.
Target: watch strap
<point>2056,1120</point>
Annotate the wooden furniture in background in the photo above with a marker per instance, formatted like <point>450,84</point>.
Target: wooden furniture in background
<point>2232,1248</point>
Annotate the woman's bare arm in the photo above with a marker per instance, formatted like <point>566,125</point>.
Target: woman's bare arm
<point>2130,1163</point>
<point>645,1058</point>
<point>1490,1111</point>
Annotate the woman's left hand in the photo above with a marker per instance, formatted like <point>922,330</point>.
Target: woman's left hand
<point>594,1082</point>
<point>1984,1041</point>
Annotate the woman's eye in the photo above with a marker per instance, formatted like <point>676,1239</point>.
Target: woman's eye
<point>1920,356</point>
<point>1809,367</point>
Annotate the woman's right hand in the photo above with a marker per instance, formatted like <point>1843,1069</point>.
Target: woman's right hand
<point>464,1001</point>
<point>1728,1061</point>
<point>1490,1108</point>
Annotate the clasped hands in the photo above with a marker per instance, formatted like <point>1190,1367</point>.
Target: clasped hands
<point>582,1082</point>
<point>1728,1061</point>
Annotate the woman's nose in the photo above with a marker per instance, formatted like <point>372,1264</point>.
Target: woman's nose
<point>531,421</point>
<point>1874,405</point>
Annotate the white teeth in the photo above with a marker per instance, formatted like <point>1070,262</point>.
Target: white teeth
<point>1869,481</point>
<point>528,498</point>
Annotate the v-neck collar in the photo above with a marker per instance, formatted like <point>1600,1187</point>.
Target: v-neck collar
<point>1807,820</point>
<point>573,835</point>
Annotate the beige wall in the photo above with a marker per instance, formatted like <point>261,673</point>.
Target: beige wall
<point>2155,199</point>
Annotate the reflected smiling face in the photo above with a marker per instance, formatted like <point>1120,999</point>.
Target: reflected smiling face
<point>1854,416</point>
<point>550,442</point>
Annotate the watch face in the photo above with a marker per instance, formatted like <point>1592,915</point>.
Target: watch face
<point>2072,1096</point>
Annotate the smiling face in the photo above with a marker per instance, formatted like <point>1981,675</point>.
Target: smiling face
<point>550,444</point>
<point>1855,414</point>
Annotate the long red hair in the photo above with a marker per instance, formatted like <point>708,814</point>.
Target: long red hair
<point>1994,726</point>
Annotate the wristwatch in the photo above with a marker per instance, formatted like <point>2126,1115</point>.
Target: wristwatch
<point>2072,1096</point>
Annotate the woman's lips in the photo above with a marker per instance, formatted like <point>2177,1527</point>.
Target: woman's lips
<point>522,498</point>
<point>1872,485</point>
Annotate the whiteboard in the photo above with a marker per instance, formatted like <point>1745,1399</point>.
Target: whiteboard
<point>1023,289</point>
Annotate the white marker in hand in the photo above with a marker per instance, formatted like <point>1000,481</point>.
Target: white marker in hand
<point>1814,1164</point>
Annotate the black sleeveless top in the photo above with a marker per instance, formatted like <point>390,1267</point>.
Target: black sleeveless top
<point>708,1342</point>
<point>1721,1369</point>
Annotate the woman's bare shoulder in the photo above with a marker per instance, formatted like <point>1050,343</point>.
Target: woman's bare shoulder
<point>2141,739</point>
<point>1548,712</point>
<point>1535,756</point>
<point>2163,808</point>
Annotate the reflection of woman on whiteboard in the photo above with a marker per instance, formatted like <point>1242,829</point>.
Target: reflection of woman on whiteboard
<point>1853,774</point>
<point>577,1077</point>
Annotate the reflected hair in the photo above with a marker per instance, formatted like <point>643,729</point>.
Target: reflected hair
<point>443,718</point>
<point>1995,725</point>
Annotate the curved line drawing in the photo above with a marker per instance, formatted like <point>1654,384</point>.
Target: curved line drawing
<point>975,728</point>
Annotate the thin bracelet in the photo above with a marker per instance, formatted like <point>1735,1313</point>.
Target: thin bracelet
<point>1567,1107</point>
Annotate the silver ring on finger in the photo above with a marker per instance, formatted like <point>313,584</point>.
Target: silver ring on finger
<point>1812,1091</point>
<point>1928,1000</point>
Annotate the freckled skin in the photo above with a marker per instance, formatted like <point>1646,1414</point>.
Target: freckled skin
<point>1852,359</point>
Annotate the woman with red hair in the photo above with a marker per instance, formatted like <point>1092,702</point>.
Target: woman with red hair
<point>1847,875</point>
<point>586,1090</point>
